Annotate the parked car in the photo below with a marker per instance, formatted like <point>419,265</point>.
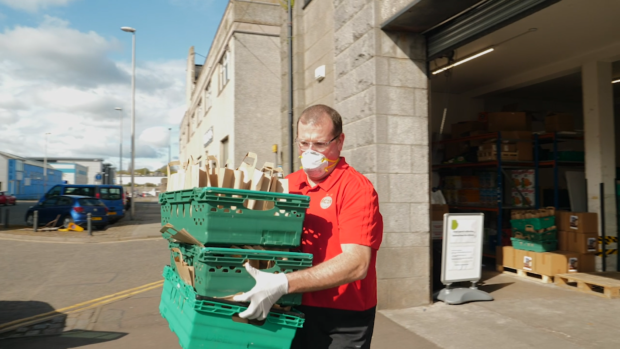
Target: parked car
<point>68,209</point>
<point>111,195</point>
<point>7,199</point>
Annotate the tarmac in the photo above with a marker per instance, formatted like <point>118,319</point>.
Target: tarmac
<point>525,312</point>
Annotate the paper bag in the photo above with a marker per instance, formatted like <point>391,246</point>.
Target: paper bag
<point>187,170</point>
<point>248,168</point>
<point>175,179</point>
<point>220,177</point>
<point>178,235</point>
<point>198,176</point>
<point>185,271</point>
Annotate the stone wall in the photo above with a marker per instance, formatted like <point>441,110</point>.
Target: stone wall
<point>381,90</point>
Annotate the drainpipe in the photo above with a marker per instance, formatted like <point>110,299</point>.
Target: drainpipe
<point>290,86</point>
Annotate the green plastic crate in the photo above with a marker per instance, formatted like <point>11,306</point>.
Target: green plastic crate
<point>220,271</point>
<point>217,216</point>
<point>208,323</point>
<point>534,246</point>
<point>530,236</point>
<point>190,253</point>
<point>537,223</point>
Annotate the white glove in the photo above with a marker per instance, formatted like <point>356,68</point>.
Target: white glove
<point>268,289</point>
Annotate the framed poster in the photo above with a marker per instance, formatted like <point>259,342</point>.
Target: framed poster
<point>462,247</point>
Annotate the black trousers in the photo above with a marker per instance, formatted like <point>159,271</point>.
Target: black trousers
<point>335,329</point>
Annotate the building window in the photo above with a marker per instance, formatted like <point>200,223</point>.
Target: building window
<point>224,70</point>
<point>200,112</point>
<point>208,97</point>
<point>193,126</point>
<point>224,147</point>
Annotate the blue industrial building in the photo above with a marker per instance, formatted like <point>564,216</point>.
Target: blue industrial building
<point>25,178</point>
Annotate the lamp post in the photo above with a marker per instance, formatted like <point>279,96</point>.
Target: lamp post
<point>169,144</point>
<point>133,111</point>
<point>45,166</point>
<point>120,154</point>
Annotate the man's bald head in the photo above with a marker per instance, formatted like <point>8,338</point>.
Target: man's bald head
<point>317,113</point>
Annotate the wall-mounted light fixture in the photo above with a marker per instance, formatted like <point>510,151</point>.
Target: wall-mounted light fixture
<point>463,60</point>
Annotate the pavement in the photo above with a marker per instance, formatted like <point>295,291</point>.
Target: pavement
<point>525,313</point>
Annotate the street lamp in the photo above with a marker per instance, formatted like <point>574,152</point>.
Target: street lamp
<point>133,111</point>
<point>169,144</point>
<point>120,154</point>
<point>45,166</point>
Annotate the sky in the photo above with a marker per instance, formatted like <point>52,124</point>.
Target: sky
<point>65,66</point>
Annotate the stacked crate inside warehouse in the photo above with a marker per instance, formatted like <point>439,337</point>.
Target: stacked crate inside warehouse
<point>216,220</point>
<point>549,242</point>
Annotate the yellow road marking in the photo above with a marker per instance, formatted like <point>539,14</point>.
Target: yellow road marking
<point>79,307</point>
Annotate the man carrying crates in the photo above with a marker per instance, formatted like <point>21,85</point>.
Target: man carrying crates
<point>342,229</point>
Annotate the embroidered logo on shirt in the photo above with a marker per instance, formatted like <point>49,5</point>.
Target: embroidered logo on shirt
<point>326,202</point>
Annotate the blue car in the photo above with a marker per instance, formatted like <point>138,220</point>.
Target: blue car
<point>111,195</point>
<point>68,209</point>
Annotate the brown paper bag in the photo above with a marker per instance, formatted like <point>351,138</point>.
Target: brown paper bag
<point>185,271</point>
<point>220,177</point>
<point>248,168</point>
<point>198,176</point>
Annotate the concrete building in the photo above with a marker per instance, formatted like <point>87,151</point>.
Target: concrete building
<point>72,173</point>
<point>233,99</point>
<point>377,62</point>
<point>379,58</point>
<point>142,180</point>
<point>26,178</point>
<point>97,171</point>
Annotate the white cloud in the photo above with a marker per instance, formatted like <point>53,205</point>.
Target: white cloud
<point>59,80</point>
<point>33,5</point>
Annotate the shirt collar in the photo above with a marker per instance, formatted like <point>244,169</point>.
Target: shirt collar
<point>331,179</point>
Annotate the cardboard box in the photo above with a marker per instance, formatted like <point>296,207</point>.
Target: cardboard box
<point>583,242</point>
<point>561,222</point>
<point>559,122</point>
<point>468,196</point>
<point>523,198</point>
<point>587,263</point>
<point>477,142</point>
<point>581,222</point>
<point>559,262</point>
<point>506,147</point>
<point>523,142</point>
<point>509,121</point>
<point>463,129</point>
<point>526,260</point>
<point>470,182</point>
<point>506,256</point>
<point>563,238</point>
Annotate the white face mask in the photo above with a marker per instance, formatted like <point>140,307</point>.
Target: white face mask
<point>315,164</point>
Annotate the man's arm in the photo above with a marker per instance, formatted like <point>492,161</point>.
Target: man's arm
<point>351,265</point>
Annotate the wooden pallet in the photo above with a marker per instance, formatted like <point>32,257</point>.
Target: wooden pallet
<point>545,279</point>
<point>605,284</point>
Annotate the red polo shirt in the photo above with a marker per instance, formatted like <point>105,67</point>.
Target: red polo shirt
<point>344,209</point>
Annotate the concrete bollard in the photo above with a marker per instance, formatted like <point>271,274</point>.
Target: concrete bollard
<point>89,225</point>
<point>35,221</point>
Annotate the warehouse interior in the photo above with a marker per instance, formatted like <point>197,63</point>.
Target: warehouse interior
<point>535,76</point>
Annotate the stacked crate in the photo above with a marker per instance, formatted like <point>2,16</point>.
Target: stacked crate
<point>534,230</point>
<point>202,275</point>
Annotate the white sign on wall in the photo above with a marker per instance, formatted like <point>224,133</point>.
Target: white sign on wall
<point>207,138</point>
<point>462,247</point>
